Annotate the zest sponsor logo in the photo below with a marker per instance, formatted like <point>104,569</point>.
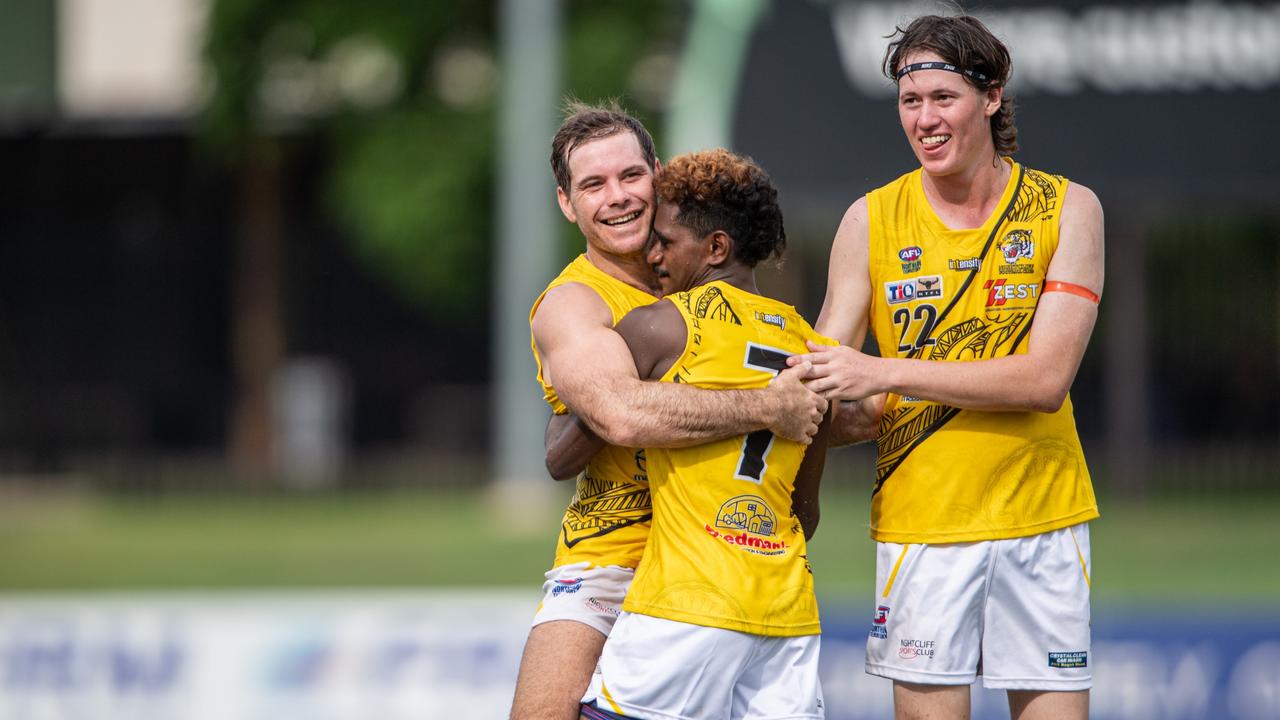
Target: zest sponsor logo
<point>748,542</point>
<point>1000,291</point>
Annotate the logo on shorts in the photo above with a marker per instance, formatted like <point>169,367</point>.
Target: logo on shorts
<point>566,587</point>
<point>912,649</point>
<point>601,608</point>
<point>1073,659</point>
<point>878,623</point>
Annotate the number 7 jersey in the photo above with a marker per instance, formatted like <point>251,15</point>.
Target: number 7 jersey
<point>944,474</point>
<point>725,549</point>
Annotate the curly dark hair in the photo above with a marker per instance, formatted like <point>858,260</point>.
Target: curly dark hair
<point>718,190</point>
<point>965,42</point>
<point>584,123</point>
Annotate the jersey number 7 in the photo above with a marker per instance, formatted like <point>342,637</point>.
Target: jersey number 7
<point>755,446</point>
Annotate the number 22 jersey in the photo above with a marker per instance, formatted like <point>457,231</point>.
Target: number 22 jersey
<point>944,474</point>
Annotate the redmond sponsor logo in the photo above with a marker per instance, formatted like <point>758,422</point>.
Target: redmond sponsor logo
<point>749,542</point>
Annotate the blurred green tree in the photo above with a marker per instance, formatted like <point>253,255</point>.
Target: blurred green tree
<point>404,96</point>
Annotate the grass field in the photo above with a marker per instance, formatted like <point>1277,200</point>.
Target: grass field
<point>1169,551</point>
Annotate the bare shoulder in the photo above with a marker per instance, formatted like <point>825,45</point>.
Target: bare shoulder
<point>855,219</point>
<point>656,335</point>
<point>1080,255</point>
<point>571,307</point>
<point>1080,203</point>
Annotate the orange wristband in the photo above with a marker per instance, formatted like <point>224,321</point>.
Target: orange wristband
<point>1058,286</point>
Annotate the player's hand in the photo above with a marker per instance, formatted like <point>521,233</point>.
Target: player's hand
<point>857,421</point>
<point>839,372</point>
<point>799,410</point>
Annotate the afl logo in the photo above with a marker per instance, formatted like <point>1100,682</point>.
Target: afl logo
<point>910,253</point>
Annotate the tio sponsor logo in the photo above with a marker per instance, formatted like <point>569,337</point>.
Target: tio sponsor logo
<point>900,291</point>
<point>1001,291</point>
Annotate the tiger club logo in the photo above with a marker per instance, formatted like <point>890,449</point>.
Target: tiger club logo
<point>1017,245</point>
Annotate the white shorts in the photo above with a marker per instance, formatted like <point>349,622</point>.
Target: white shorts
<point>584,593</point>
<point>1014,611</point>
<point>656,669</point>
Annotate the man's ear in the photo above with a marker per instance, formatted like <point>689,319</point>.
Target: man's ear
<point>995,95</point>
<point>566,207</point>
<point>719,248</point>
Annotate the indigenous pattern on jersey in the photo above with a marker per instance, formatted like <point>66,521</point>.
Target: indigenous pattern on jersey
<point>726,550</point>
<point>607,521</point>
<point>949,475</point>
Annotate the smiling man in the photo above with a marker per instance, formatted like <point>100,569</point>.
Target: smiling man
<point>980,279</point>
<point>604,164</point>
<point>720,622</point>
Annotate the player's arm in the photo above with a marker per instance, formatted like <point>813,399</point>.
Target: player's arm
<point>1037,380</point>
<point>844,318</point>
<point>570,445</point>
<point>804,498</point>
<point>593,372</point>
<point>655,336</point>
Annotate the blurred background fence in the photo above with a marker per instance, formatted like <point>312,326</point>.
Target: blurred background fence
<point>254,333</point>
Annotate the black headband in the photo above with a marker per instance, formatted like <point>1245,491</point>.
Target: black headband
<point>934,65</point>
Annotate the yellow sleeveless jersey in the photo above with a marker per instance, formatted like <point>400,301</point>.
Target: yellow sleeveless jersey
<point>607,521</point>
<point>949,475</point>
<point>725,549</point>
